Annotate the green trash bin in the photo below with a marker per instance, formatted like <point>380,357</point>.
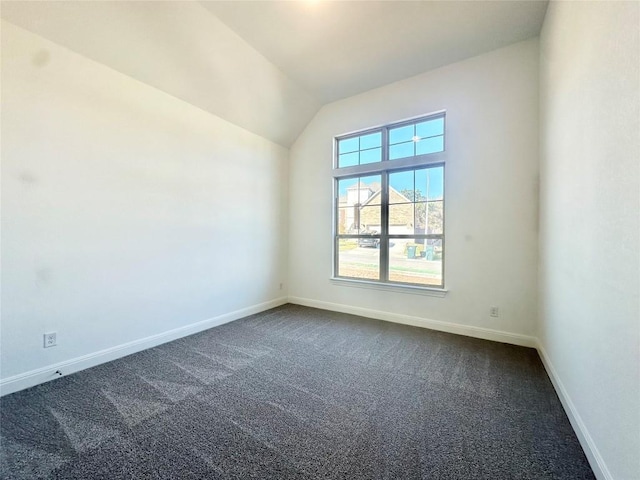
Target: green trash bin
<point>411,251</point>
<point>429,254</point>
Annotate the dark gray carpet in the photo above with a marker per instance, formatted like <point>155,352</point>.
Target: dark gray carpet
<point>298,393</point>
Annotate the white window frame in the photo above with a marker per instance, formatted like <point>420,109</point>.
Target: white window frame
<point>384,168</point>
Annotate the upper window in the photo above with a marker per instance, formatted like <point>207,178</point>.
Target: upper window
<point>360,150</point>
<point>389,204</point>
<point>416,139</point>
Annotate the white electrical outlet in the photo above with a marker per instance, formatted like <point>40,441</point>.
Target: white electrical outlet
<point>494,312</point>
<point>50,339</point>
<point>281,285</point>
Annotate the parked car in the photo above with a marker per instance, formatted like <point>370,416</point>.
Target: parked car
<point>373,242</point>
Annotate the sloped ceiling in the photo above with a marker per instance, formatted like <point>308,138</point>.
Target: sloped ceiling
<point>338,49</point>
<point>268,66</point>
<point>182,49</point>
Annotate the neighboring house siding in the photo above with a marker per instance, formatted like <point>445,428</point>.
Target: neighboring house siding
<point>400,214</point>
<point>401,211</point>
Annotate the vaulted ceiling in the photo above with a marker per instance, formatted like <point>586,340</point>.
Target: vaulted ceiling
<point>268,66</point>
<point>338,49</point>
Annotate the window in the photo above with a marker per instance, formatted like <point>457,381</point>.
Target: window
<point>389,204</point>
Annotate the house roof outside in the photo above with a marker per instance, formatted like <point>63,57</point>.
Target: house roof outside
<point>373,186</point>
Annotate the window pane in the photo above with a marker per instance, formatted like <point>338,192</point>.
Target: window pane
<point>347,192</point>
<point>345,183</point>
<point>348,160</point>
<point>360,150</point>
<point>411,219</point>
<point>356,261</point>
<point>357,197</point>
<point>344,221</point>
<point>401,184</point>
<point>430,128</point>
<point>435,216</point>
<point>371,156</point>
<point>370,190</point>
<point>370,219</point>
<point>371,141</point>
<point>401,134</point>
<point>436,183</point>
<point>421,218</point>
<point>430,145</point>
<point>401,219</point>
<point>429,183</point>
<point>416,262</point>
<point>422,184</point>
<point>402,150</point>
<point>348,145</point>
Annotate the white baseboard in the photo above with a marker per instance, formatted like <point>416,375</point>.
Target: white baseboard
<point>45,374</point>
<point>596,461</point>
<point>466,330</point>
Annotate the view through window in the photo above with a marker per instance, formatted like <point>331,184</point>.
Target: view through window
<point>389,204</point>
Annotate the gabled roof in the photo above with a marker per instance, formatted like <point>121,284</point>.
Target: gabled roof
<point>373,186</point>
<point>379,192</point>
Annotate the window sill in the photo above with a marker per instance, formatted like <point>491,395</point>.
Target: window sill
<point>390,287</point>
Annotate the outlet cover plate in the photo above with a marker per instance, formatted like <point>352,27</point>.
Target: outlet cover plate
<point>50,339</point>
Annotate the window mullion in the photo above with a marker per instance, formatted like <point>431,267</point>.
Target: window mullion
<point>384,214</point>
<point>336,230</point>
<point>384,234</point>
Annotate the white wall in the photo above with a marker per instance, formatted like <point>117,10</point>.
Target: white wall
<point>590,229</point>
<point>491,191</point>
<point>125,212</point>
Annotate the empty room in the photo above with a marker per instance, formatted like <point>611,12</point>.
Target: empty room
<point>320,240</point>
